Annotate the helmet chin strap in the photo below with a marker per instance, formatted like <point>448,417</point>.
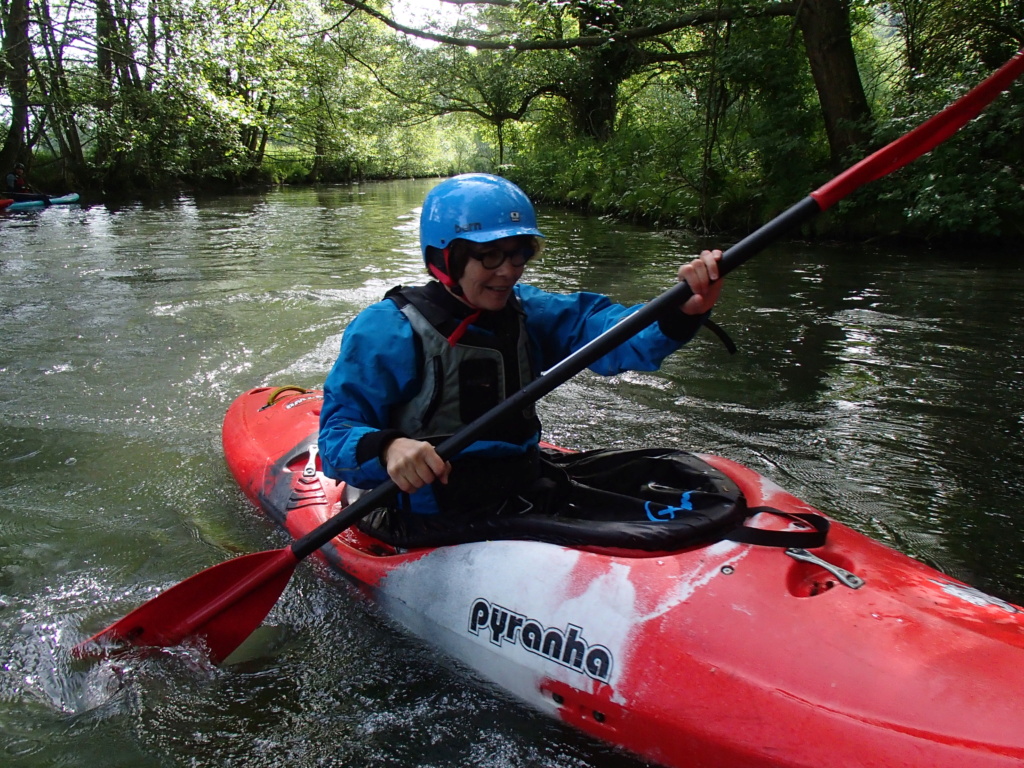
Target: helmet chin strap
<point>445,278</point>
<point>444,275</point>
<point>460,331</point>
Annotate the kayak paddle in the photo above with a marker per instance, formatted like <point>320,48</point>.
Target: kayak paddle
<point>223,604</point>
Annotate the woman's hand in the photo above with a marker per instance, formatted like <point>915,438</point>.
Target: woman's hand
<point>702,276</point>
<point>414,463</point>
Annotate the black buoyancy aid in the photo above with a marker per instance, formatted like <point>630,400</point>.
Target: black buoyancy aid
<point>461,381</point>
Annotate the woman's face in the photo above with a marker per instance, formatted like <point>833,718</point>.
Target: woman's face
<point>490,289</point>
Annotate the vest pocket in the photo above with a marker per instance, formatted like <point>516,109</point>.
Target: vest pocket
<point>479,388</point>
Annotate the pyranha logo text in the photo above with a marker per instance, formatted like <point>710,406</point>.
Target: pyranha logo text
<point>567,647</point>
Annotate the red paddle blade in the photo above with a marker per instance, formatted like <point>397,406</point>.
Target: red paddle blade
<point>220,606</point>
<point>922,139</point>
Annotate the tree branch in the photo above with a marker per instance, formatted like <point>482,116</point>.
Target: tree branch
<point>694,19</point>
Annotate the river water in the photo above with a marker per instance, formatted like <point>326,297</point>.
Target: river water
<point>884,386</point>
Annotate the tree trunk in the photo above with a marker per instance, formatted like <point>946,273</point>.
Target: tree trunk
<point>16,55</point>
<point>825,25</point>
<point>52,81</point>
<point>593,93</point>
<point>500,128</point>
<point>260,151</point>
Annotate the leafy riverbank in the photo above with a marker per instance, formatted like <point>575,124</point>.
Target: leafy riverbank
<point>658,112</point>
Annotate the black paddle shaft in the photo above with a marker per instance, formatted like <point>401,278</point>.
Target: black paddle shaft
<point>585,356</point>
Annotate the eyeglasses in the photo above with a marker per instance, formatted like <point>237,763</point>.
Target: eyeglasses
<point>492,258</point>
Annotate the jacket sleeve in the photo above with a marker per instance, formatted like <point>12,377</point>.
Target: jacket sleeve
<point>377,368</point>
<point>560,324</point>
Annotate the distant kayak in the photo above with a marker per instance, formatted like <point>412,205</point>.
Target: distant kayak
<point>22,202</point>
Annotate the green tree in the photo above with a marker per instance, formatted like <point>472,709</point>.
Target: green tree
<point>14,76</point>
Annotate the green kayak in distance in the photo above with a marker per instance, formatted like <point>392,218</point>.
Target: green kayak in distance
<point>40,201</point>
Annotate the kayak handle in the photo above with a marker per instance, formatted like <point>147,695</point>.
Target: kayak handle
<point>847,579</point>
<point>310,469</point>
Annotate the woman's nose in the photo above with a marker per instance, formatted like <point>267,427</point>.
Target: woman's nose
<point>507,268</point>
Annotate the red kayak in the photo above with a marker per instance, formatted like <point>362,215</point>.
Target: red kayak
<point>5,203</point>
<point>723,654</point>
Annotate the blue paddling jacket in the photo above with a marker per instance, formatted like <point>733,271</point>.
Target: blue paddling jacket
<point>394,378</point>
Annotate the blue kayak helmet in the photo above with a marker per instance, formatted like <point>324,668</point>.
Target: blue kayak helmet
<point>478,207</point>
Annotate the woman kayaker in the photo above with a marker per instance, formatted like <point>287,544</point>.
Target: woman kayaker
<point>426,360</point>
